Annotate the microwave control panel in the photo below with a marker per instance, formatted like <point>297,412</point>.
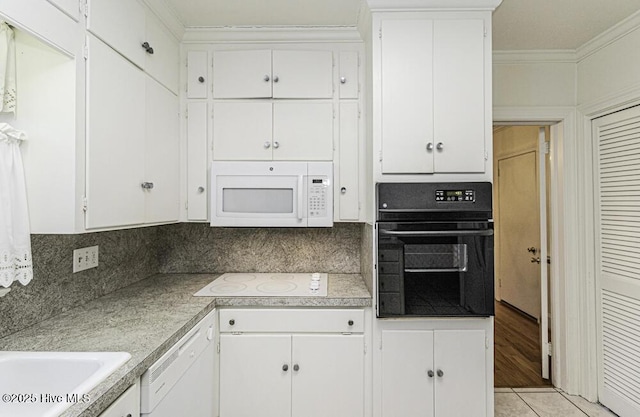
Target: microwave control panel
<point>452,196</point>
<point>318,187</point>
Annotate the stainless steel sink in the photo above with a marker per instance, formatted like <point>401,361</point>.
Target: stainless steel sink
<point>44,384</point>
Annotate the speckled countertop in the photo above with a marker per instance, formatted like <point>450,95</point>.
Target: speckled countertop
<point>147,318</point>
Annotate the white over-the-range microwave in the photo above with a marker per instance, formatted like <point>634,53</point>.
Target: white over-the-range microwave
<point>272,194</point>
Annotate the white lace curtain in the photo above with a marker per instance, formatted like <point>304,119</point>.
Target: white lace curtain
<point>15,237</point>
<point>7,69</point>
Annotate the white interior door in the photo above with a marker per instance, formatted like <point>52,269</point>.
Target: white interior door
<point>617,192</point>
<point>519,229</point>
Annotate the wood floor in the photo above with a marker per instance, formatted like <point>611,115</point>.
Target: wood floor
<point>517,350</point>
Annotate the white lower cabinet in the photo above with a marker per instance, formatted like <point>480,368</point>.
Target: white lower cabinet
<point>434,373</point>
<point>127,404</point>
<point>274,373</point>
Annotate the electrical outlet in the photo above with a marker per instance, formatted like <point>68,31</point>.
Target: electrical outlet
<point>85,258</point>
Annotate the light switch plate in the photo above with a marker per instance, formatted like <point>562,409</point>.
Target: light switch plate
<point>85,258</point>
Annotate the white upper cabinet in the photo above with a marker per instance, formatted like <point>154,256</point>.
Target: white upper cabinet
<point>132,30</point>
<point>433,95</point>
<point>69,7</point>
<point>197,74</point>
<point>262,130</point>
<point>121,25</point>
<point>348,75</point>
<point>272,74</point>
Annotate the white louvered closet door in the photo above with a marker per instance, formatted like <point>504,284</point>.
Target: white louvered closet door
<point>617,191</point>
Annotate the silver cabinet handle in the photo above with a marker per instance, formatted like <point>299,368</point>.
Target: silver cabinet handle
<point>200,190</point>
<point>429,146</point>
<point>285,367</point>
<point>146,185</point>
<point>201,79</point>
<point>440,146</point>
<point>266,78</point>
<point>267,145</point>
<point>296,367</point>
<point>440,373</point>
<point>430,373</point>
<point>343,80</point>
<point>276,79</point>
<point>276,145</point>
<point>343,190</point>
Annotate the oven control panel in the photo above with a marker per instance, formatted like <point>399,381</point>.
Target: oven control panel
<point>452,196</point>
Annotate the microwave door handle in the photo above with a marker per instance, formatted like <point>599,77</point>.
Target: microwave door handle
<point>437,233</point>
<point>300,197</point>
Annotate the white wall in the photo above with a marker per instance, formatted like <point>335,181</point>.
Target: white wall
<point>46,110</point>
<point>534,79</point>
<point>609,68</point>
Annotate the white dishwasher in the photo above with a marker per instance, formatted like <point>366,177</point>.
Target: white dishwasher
<point>181,382</point>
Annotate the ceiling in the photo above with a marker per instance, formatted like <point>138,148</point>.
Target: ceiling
<point>517,24</point>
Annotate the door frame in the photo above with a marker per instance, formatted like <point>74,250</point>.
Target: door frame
<point>571,297</point>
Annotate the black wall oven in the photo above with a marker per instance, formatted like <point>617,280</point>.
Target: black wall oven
<point>435,249</point>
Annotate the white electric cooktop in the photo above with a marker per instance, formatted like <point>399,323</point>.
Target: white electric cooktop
<point>266,285</point>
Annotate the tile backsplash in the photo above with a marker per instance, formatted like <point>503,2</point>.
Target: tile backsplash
<point>128,256</point>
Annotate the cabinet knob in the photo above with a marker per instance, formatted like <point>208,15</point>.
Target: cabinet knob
<point>232,322</point>
<point>296,367</point>
<point>430,373</point>
<point>276,79</point>
<point>343,80</point>
<point>201,79</point>
<point>440,373</point>
<point>440,146</point>
<point>129,415</point>
<point>343,190</point>
<point>350,322</point>
<point>147,48</point>
<point>429,146</point>
<point>267,145</point>
<point>285,367</point>
<point>276,145</point>
<point>146,185</point>
<point>266,78</point>
<point>200,190</point>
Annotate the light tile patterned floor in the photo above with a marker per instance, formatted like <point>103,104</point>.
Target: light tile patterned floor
<point>544,402</point>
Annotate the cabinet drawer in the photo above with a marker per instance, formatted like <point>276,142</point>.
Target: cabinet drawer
<point>388,255</point>
<point>292,320</point>
<point>389,267</point>
<point>390,303</point>
<point>389,282</point>
<point>127,405</point>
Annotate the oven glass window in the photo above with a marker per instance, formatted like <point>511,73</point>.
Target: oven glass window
<point>435,258</point>
<point>257,200</point>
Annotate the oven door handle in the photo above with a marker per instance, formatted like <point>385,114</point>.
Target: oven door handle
<point>437,233</point>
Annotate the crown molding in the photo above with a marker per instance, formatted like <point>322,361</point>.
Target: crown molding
<point>535,56</point>
<point>431,5</point>
<point>271,34</point>
<point>609,36</point>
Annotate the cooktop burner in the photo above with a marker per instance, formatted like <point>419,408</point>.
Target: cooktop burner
<point>266,285</point>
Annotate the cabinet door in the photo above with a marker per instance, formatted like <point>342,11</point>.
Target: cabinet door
<point>459,111</point>
<point>242,74</point>
<point>253,379</point>
<point>115,138</point>
<point>70,7</point>
<point>197,74</point>
<point>302,74</point>
<point>121,24</point>
<point>302,131</point>
<point>407,96</point>
<point>407,389</point>
<point>163,63</point>
<point>348,163</point>
<point>348,75</point>
<point>127,404</point>
<point>197,123</point>
<point>329,380</point>
<point>242,131</point>
<point>462,388</point>
<point>162,154</point>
